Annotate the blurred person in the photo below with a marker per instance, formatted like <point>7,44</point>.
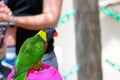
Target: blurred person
<point>8,60</point>
<point>8,51</point>
<point>29,16</point>
<point>10,43</point>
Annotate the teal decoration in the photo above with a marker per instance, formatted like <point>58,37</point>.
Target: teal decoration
<point>109,12</point>
<point>66,17</point>
<point>113,65</point>
<point>71,71</point>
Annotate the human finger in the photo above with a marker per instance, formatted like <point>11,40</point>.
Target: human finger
<point>4,17</point>
<point>8,11</point>
<point>2,4</point>
<point>2,10</point>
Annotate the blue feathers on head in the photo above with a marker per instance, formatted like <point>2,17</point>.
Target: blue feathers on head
<point>50,32</point>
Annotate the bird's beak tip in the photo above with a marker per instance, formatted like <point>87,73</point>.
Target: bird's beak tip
<point>56,34</point>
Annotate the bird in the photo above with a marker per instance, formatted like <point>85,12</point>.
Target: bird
<point>31,52</point>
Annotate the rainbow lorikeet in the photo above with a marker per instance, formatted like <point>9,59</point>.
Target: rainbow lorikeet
<point>31,52</point>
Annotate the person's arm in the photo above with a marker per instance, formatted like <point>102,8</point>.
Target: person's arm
<point>49,17</point>
<point>10,36</point>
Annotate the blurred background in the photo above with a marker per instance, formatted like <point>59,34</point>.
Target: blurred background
<point>66,45</point>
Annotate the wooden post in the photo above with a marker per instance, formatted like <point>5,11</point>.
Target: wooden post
<point>88,40</point>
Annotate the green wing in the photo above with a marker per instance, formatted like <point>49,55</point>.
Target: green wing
<point>31,51</point>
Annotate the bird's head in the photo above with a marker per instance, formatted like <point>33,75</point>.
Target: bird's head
<point>48,33</point>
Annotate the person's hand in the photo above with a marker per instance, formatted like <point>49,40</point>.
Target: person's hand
<point>2,52</point>
<point>5,12</point>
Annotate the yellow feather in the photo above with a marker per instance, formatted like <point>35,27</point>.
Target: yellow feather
<point>43,35</point>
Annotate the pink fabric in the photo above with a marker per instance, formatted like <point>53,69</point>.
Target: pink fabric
<point>48,73</point>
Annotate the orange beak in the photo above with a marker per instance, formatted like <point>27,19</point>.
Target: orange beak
<point>56,34</point>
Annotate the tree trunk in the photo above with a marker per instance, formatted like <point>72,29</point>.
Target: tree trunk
<point>88,40</point>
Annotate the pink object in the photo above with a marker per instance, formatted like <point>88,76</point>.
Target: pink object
<point>48,73</point>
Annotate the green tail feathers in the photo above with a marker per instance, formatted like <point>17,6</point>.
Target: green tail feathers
<point>21,76</point>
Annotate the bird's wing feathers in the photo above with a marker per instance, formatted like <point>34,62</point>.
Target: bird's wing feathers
<point>25,58</point>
